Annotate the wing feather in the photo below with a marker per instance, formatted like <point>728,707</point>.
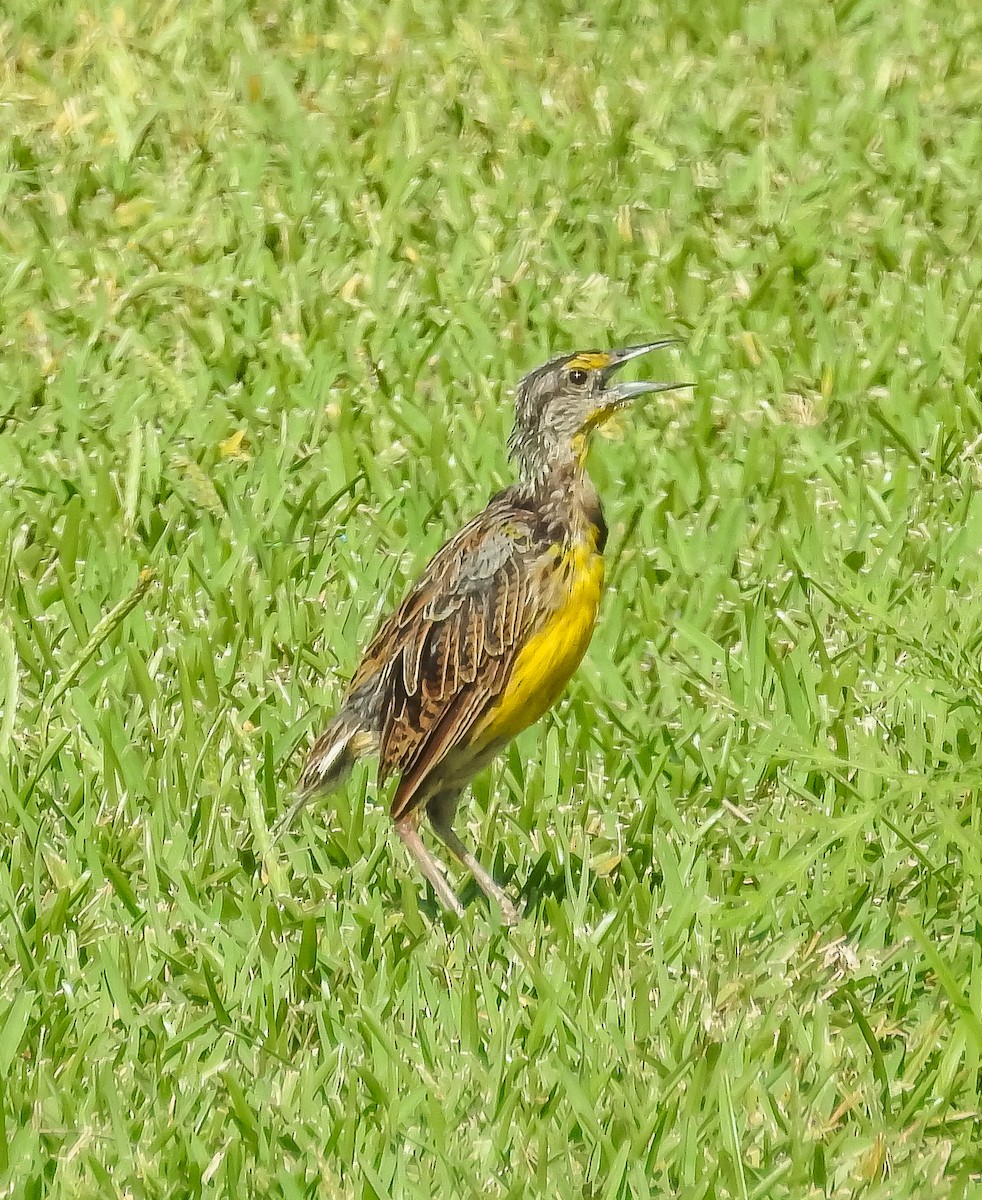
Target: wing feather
<point>447,732</point>
<point>445,654</point>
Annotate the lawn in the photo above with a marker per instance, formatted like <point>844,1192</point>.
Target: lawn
<point>267,276</point>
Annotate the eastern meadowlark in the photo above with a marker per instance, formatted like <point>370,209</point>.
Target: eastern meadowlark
<point>489,635</point>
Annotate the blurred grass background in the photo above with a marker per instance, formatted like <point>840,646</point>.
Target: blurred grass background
<point>268,274</point>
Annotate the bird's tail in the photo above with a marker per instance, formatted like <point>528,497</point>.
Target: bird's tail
<point>330,760</point>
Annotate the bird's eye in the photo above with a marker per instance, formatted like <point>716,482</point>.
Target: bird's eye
<point>577,377</point>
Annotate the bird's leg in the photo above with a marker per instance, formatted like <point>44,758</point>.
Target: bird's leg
<point>441,811</point>
<point>427,864</point>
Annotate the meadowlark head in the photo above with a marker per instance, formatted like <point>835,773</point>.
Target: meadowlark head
<point>558,405</point>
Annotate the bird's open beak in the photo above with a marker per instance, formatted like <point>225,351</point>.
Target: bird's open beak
<point>620,394</point>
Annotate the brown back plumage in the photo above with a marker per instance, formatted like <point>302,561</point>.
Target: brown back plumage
<point>445,653</point>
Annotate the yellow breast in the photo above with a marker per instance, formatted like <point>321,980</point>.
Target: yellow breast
<point>545,663</point>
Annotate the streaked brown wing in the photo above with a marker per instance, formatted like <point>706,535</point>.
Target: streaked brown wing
<point>446,652</point>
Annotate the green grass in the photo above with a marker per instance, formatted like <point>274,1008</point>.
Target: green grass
<point>749,839</point>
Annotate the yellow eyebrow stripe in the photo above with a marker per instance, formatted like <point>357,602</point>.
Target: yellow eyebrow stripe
<point>592,360</point>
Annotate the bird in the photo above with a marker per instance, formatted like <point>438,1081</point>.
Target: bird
<point>487,638</point>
